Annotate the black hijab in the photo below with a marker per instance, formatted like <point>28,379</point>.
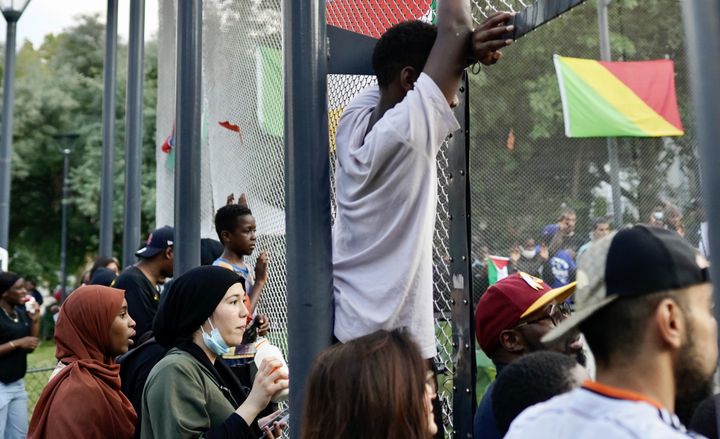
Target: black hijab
<point>7,280</point>
<point>191,300</point>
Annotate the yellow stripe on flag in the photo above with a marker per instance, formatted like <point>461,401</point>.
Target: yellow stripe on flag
<point>621,97</point>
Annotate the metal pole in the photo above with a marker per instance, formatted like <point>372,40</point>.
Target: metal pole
<point>7,128</point>
<point>307,193</point>
<point>133,141</point>
<point>64,224</point>
<point>188,125</point>
<point>463,334</point>
<point>702,29</point>
<point>602,8</point>
<point>108,151</point>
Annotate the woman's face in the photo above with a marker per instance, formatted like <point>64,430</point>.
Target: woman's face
<point>112,265</point>
<point>122,328</point>
<point>16,294</point>
<point>430,394</point>
<point>230,316</point>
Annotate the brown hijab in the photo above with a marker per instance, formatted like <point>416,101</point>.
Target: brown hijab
<point>84,399</point>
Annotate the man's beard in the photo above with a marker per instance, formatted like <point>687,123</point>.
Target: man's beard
<point>693,385</point>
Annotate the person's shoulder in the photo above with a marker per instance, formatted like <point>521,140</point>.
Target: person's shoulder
<point>128,276</point>
<point>176,362</point>
<point>220,262</point>
<point>366,98</point>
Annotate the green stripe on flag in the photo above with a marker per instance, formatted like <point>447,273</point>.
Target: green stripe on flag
<point>270,103</point>
<point>587,114</point>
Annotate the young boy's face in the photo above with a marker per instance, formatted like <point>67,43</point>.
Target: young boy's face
<point>242,239</point>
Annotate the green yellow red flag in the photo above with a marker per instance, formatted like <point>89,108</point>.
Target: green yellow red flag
<point>618,99</point>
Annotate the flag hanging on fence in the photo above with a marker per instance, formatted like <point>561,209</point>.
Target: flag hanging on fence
<point>497,268</point>
<point>270,91</point>
<point>618,99</point>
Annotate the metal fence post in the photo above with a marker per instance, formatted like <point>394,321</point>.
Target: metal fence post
<point>307,193</point>
<point>612,147</point>
<point>108,147</point>
<point>188,120</point>
<point>134,126</point>
<point>702,30</point>
<point>463,334</point>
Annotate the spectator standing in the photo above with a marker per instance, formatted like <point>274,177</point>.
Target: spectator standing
<point>18,337</point>
<point>109,263</point>
<point>528,258</point>
<point>532,379</point>
<point>600,229</point>
<point>510,319</point>
<point>645,306</point>
<point>140,281</point>
<point>387,143</point>
<point>562,243</point>
<point>373,387</point>
<point>201,316</point>
<point>83,399</point>
<point>31,288</point>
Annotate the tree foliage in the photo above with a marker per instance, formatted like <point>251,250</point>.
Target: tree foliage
<point>59,89</point>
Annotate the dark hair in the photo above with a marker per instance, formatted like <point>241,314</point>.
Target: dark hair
<point>102,262</point>
<point>226,217</point>
<point>617,328</point>
<point>405,44</point>
<point>566,211</point>
<point>370,387</point>
<point>7,280</point>
<point>704,420</point>
<point>210,250</point>
<point>599,220</point>
<point>532,379</point>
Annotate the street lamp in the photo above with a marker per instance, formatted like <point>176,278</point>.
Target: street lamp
<point>65,142</point>
<point>12,15</point>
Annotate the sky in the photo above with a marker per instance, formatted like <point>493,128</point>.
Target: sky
<point>53,16</point>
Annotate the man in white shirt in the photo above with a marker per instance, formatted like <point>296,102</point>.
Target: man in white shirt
<point>387,142</point>
<point>645,305</point>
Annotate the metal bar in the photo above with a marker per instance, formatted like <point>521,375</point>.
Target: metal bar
<point>612,148</point>
<point>64,223</point>
<point>133,138</point>
<point>108,151</point>
<point>7,130</point>
<point>307,193</point>
<point>702,30</point>
<point>188,116</point>
<point>463,334</point>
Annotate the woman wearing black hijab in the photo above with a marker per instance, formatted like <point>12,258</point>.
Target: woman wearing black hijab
<point>191,393</point>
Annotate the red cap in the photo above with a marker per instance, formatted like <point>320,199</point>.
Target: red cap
<point>509,300</point>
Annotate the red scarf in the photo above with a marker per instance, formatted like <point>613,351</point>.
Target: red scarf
<point>84,399</point>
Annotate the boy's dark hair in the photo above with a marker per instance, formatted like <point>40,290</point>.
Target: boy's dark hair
<point>226,217</point>
<point>619,327</point>
<point>405,44</point>
<point>532,379</point>
<point>598,221</point>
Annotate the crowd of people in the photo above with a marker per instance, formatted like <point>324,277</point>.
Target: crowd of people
<point>614,338</point>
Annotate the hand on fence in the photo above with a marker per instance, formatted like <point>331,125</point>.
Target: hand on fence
<point>264,327</point>
<point>485,43</point>
<point>261,267</point>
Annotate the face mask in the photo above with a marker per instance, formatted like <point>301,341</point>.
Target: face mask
<point>214,341</point>
<point>529,254</point>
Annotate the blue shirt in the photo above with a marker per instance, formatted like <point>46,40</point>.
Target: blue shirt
<point>484,423</point>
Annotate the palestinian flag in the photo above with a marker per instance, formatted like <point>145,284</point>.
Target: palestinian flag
<point>497,268</point>
<point>270,91</point>
<point>618,99</point>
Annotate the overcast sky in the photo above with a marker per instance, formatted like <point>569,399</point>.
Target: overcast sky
<point>52,16</point>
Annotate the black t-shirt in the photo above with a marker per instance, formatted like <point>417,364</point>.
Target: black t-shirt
<point>14,364</point>
<point>142,299</point>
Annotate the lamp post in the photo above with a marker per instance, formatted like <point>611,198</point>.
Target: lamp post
<point>66,142</point>
<point>12,15</point>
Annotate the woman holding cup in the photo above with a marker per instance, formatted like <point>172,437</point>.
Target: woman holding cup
<point>191,392</point>
<point>19,329</point>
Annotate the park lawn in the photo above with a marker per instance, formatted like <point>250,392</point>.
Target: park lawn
<point>40,365</point>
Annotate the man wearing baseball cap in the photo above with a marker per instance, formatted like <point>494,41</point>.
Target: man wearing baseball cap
<point>140,281</point>
<point>644,302</point>
<point>510,319</point>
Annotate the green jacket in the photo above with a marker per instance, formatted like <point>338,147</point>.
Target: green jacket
<point>182,399</point>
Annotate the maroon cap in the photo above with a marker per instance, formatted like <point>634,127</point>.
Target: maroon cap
<point>508,301</point>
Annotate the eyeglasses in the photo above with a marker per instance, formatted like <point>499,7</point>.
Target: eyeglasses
<point>557,313</point>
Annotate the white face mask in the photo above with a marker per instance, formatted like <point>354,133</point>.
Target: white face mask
<point>529,254</point>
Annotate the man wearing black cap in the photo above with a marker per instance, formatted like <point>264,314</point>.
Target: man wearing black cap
<point>645,305</point>
<point>140,281</point>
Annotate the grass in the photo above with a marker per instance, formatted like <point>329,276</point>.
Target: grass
<point>42,358</point>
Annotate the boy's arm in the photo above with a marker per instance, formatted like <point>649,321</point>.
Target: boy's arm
<point>449,55</point>
<point>261,276</point>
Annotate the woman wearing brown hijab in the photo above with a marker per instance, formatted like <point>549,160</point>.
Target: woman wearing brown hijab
<point>84,399</point>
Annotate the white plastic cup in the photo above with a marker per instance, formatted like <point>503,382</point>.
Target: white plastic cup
<point>265,350</point>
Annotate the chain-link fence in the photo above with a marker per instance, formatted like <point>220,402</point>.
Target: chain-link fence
<point>35,381</point>
<point>523,169</point>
